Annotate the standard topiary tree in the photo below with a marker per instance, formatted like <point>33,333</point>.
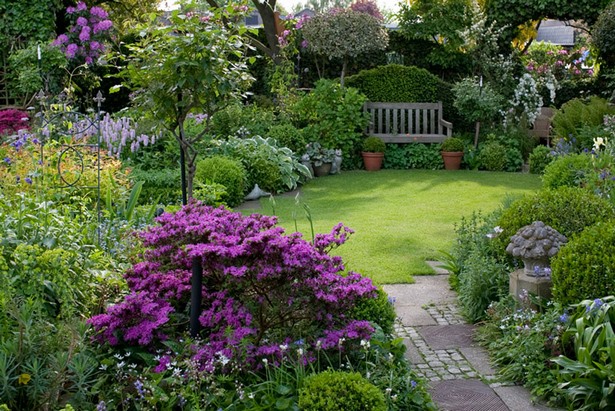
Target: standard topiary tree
<point>344,35</point>
<point>340,391</point>
<point>585,267</point>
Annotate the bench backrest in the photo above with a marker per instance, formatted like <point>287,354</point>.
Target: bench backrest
<point>405,122</point>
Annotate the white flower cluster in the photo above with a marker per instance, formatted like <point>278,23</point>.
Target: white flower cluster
<point>527,100</point>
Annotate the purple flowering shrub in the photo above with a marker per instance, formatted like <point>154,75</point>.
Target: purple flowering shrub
<point>262,289</point>
<point>87,33</point>
<point>11,121</point>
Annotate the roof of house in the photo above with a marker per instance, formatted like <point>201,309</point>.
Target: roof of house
<point>556,32</point>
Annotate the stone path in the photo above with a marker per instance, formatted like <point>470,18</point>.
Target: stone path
<point>441,348</point>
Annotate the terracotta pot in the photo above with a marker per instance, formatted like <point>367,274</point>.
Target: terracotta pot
<point>322,170</point>
<point>452,159</point>
<point>372,161</point>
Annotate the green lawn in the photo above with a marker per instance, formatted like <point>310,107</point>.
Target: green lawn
<point>401,217</point>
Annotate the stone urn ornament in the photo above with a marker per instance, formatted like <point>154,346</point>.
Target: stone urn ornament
<point>535,244</point>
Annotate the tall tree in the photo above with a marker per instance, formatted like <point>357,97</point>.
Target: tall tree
<point>196,63</point>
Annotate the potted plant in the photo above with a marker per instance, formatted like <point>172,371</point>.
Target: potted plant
<point>321,158</point>
<point>452,153</point>
<point>373,152</point>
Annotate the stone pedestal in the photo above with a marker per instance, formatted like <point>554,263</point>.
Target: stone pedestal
<point>519,281</point>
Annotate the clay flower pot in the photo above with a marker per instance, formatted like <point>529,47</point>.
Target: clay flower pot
<point>372,161</point>
<point>452,159</point>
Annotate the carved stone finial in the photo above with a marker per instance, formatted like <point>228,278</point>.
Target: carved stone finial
<point>535,244</point>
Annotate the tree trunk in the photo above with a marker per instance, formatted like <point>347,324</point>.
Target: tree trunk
<point>344,65</point>
<point>476,132</point>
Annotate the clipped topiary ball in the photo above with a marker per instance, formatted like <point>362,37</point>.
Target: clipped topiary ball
<point>539,159</point>
<point>567,171</point>
<point>585,267</point>
<point>226,171</point>
<point>492,156</point>
<point>378,310</point>
<point>340,391</point>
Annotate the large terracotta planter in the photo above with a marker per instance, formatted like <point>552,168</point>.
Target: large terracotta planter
<point>322,170</point>
<point>452,159</point>
<point>372,161</point>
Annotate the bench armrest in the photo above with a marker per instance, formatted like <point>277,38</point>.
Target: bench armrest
<point>449,127</point>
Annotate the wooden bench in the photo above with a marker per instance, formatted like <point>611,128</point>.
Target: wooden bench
<point>407,122</point>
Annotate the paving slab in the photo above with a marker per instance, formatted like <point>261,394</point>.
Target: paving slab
<point>412,353</point>
<point>518,398</point>
<point>478,358</point>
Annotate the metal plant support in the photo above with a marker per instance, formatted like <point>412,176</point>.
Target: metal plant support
<point>79,134</point>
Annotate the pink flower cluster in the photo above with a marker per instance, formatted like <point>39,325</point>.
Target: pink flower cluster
<point>367,6</point>
<point>85,37</point>
<point>262,289</point>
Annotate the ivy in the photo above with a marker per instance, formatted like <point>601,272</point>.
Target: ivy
<point>27,21</point>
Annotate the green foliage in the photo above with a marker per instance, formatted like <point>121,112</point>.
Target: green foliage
<point>27,78</point>
<point>430,22</point>
<point>334,117</point>
<point>567,171</point>
<point>225,171</point>
<point>237,119</point>
<point>287,135</point>
<point>25,22</point>
<point>378,310</point>
<point>540,158</point>
<point>452,144</point>
<point>344,35</point>
<point>603,35</point>
<point>42,364</point>
<point>159,186</point>
<point>588,377</point>
<point>568,210</point>
<point>521,341</point>
<point>419,155</point>
<point>576,114</point>
<point>477,102</point>
<point>339,391</point>
<point>201,71</point>
<point>482,276</point>
<point>513,13</point>
<point>492,156</point>
<point>373,144</point>
<point>47,256</point>
<point>274,169</point>
<point>482,280</point>
<point>585,267</point>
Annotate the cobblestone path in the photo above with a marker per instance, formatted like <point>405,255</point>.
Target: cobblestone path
<point>440,345</point>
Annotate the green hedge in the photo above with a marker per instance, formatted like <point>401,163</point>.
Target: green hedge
<point>396,83</point>
<point>585,267</point>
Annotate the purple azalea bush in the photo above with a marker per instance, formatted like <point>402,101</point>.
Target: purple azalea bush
<point>262,290</point>
<point>87,33</point>
<point>11,121</point>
